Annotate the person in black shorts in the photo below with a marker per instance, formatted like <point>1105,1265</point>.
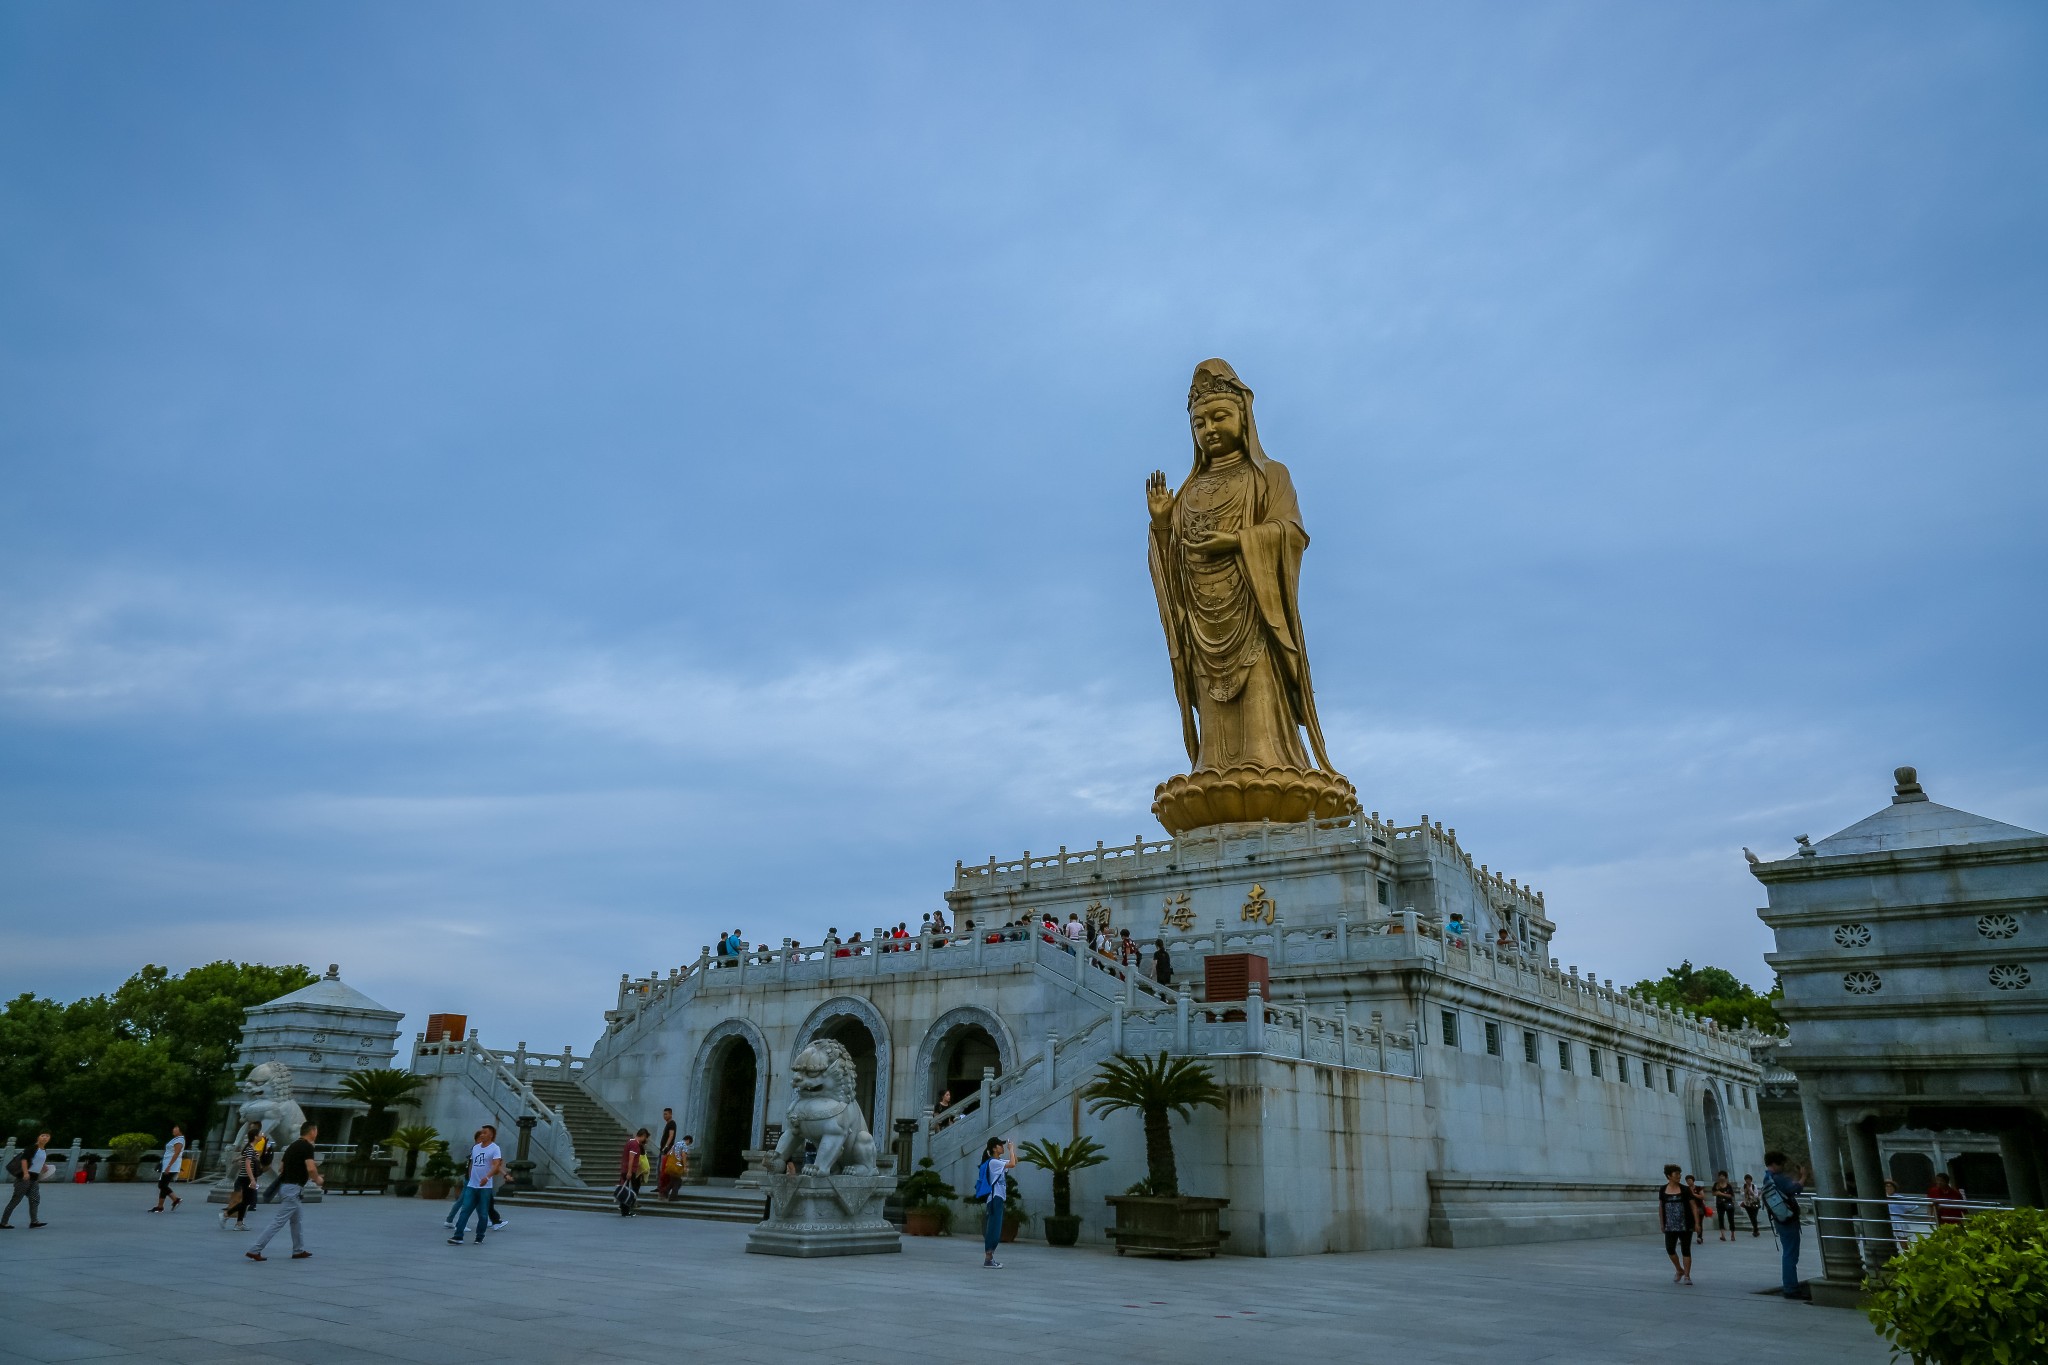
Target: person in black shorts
<point>1677,1217</point>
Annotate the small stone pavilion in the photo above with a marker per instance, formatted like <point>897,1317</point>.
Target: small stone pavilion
<point>322,1032</point>
<point>1913,948</point>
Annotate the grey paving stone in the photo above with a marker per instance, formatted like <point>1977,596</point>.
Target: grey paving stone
<point>384,1288</point>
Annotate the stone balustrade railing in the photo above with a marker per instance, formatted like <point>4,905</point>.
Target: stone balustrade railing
<point>499,1081</point>
<point>1229,844</point>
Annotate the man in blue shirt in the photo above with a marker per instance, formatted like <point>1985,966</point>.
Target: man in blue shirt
<point>1787,1229</point>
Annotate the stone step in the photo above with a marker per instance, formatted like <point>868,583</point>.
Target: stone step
<point>705,1203</point>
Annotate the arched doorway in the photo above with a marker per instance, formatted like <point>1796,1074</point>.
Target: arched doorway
<point>959,1046</point>
<point>856,1025</point>
<point>731,1079</point>
<point>1716,1135</point>
<point>853,1035</point>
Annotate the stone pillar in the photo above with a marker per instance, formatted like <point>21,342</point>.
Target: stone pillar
<point>2022,1174</point>
<point>1052,1059</point>
<point>1255,1018</point>
<point>905,1145</point>
<point>988,1096</point>
<point>1343,928</point>
<point>1181,1001</point>
<point>521,1165</point>
<point>1116,1027</point>
<point>519,1060</point>
<point>1837,1256</point>
<point>1343,1029</point>
<point>1874,1222</point>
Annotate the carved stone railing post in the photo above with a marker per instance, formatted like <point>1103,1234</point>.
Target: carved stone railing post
<point>1343,930</point>
<point>1052,1059</point>
<point>1379,1038</point>
<point>1181,1001</point>
<point>1116,1027</point>
<point>1343,1031</point>
<point>519,1060</point>
<point>1255,1019</point>
<point>988,1097</point>
<point>1304,1025</point>
<point>1279,942</point>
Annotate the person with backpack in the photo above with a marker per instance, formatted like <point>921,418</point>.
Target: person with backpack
<point>1751,1202</point>
<point>632,1170</point>
<point>1781,1201</point>
<point>992,1182</point>
<point>1677,1213</point>
<point>26,1169</point>
<point>246,1171</point>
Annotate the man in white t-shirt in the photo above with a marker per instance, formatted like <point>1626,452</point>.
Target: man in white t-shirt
<point>27,1170</point>
<point>174,1157</point>
<point>486,1164</point>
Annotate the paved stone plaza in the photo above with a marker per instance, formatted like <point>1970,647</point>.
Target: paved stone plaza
<point>107,1281</point>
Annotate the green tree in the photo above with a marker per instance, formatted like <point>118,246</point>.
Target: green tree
<point>413,1139</point>
<point>1155,1087</point>
<point>383,1090</point>
<point>1970,1293</point>
<point>159,1051</point>
<point>1716,993</point>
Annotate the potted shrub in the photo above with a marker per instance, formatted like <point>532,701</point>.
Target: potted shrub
<point>927,1202</point>
<point>1063,1225</point>
<point>1969,1293</point>
<point>1015,1217</point>
<point>128,1150</point>
<point>1155,1216</point>
<point>412,1139</point>
<point>439,1176</point>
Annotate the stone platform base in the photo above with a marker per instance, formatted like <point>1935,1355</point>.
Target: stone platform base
<point>1484,1211</point>
<point>825,1215</point>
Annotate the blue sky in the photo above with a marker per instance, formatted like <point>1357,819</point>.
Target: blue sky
<point>496,494</point>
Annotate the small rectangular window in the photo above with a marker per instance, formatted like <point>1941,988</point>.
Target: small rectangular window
<point>1450,1028</point>
<point>1620,1068</point>
<point>1528,1046</point>
<point>1593,1060</point>
<point>1386,894</point>
<point>1671,1079</point>
<point>1492,1039</point>
<point>1564,1055</point>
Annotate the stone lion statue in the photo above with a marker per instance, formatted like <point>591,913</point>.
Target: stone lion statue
<point>270,1102</point>
<point>826,1112</point>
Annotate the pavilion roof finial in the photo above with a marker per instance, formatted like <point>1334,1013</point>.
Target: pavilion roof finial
<point>1907,786</point>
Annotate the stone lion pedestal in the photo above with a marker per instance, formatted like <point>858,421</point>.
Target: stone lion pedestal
<point>826,1183</point>
<point>825,1215</point>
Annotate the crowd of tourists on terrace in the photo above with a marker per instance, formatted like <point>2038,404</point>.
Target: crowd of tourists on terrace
<point>1074,935</point>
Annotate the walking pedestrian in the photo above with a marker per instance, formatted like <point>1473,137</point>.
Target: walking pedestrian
<point>1781,1201</point>
<point>174,1157</point>
<point>1677,1211</point>
<point>1750,1201</point>
<point>1724,1208</point>
<point>1700,1215</point>
<point>486,1164</point>
<point>295,1169</point>
<point>243,1197</point>
<point>632,1170</point>
<point>27,1169</point>
<point>1162,965</point>
<point>665,1184</point>
<point>994,1182</point>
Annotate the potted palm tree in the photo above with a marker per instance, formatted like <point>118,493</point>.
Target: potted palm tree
<point>439,1176</point>
<point>1155,1216</point>
<point>412,1139</point>
<point>1063,1225</point>
<point>927,1201</point>
<point>382,1089</point>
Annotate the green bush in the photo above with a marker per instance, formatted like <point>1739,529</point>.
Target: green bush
<point>439,1167</point>
<point>128,1146</point>
<point>1970,1293</point>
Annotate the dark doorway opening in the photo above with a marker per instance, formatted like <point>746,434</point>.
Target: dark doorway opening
<point>853,1035</point>
<point>1980,1175</point>
<point>961,1058</point>
<point>1717,1138</point>
<point>734,1071</point>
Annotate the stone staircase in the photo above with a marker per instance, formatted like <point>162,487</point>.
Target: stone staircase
<point>598,1137</point>
<point>710,1203</point>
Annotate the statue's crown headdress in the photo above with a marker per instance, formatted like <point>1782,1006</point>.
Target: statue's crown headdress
<point>1213,377</point>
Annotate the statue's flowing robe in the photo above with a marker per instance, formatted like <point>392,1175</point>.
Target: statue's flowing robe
<point>1233,623</point>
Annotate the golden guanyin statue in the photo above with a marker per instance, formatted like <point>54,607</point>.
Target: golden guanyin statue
<point>1226,565</point>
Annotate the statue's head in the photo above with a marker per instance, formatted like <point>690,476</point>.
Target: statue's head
<point>824,1069</point>
<point>1219,411</point>
<point>273,1079</point>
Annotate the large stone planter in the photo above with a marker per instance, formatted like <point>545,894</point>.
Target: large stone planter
<point>1062,1230</point>
<point>1167,1225</point>
<point>436,1189</point>
<point>123,1171</point>
<point>926,1222</point>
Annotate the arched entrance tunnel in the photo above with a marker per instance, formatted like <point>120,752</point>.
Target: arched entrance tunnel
<point>958,1062</point>
<point>851,1034</point>
<point>734,1071</point>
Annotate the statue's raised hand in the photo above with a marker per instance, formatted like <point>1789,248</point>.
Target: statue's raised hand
<point>1159,498</point>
